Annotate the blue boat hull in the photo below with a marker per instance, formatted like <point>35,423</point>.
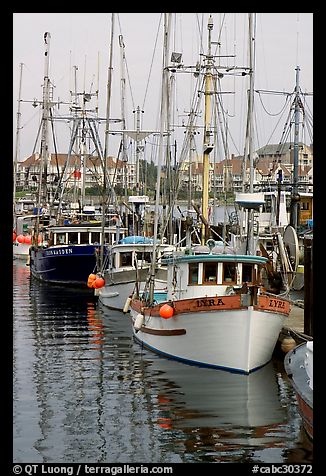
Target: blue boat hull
<point>68,265</point>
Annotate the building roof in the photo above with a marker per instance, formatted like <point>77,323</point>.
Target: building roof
<point>60,160</point>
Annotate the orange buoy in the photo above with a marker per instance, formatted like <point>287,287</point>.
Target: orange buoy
<point>14,236</point>
<point>21,239</point>
<point>28,239</point>
<point>98,283</point>
<point>91,279</point>
<point>166,311</point>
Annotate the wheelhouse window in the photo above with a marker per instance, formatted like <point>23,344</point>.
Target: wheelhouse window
<point>143,256</point>
<point>95,237</point>
<point>247,273</point>
<point>210,273</point>
<point>73,238</point>
<point>60,238</point>
<point>126,259</point>
<point>193,273</point>
<point>229,273</point>
<point>84,237</point>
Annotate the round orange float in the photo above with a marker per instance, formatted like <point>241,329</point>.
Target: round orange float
<point>166,311</point>
<point>98,283</point>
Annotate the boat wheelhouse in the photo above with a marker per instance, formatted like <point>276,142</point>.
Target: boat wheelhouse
<point>71,252</point>
<point>128,263</point>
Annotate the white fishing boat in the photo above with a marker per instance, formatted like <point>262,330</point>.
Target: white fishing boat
<point>298,364</point>
<point>217,313</point>
<point>128,263</point>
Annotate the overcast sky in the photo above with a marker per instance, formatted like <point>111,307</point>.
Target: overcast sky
<point>283,41</point>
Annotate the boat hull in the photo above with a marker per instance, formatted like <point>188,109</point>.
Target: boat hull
<point>298,372</point>
<point>68,265</point>
<point>235,339</point>
<point>120,285</point>
<point>21,250</point>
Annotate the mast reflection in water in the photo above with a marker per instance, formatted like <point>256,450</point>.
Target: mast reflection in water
<point>84,391</point>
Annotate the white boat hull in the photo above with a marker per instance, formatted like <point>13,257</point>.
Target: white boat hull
<point>239,340</point>
<point>114,296</point>
<point>21,250</point>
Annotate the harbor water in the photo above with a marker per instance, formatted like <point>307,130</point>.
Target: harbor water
<point>85,392</point>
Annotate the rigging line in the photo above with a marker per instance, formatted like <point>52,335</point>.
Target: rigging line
<point>200,30</point>
<point>29,120</point>
<point>151,66</point>
<point>54,144</point>
<point>282,109</point>
<point>126,65</point>
<point>227,130</point>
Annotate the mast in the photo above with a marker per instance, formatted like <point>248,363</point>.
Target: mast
<point>159,166</point>
<point>107,125</point>
<point>123,114</point>
<point>46,105</point>
<point>138,148</point>
<point>208,146</point>
<point>250,242</point>
<point>295,197</point>
<point>17,135</point>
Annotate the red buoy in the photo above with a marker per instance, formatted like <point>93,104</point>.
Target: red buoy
<point>166,311</point>
<point>21,239</point>
<point>28,239</point>
<point>14,236</point>
<point>98,283</point>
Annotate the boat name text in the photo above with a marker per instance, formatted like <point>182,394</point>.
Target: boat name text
<point>276,303</point>
<point>63,251</point>
<point>210,302</point>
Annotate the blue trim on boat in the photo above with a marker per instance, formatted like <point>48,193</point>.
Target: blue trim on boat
<point>194,362</point>
<point>212,257</point>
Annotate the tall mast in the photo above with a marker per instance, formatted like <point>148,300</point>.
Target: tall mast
<point>123,113</point>
<point>17,134</point>
<point>46,105</point>
<point>107,125</point>
<point>294,198</point>
<point>250,243</point>
<point>207,131</point>
<point>159,166</point>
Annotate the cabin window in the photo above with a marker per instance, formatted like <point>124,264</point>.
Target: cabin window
<point>126,259</point>
<point>229,273</point>
<point>73,238</point>
<point>247,273</point>
<point>193,273</point>
<point>60,238</point>
<point>95,237</point>
<point>145,257</point>
<point>84,237</point>
<point>210,273</point>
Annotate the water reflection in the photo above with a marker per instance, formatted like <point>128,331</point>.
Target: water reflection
<point>85,392</point>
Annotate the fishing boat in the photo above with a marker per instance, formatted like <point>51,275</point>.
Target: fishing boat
<point>217,313</point>
<point>71,252</point>
<point>128,264</point>
<point>298,364</point>
<point>75,244</point>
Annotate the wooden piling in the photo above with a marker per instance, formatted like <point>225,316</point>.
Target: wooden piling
<point>308,286</point>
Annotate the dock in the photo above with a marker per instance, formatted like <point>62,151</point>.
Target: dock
<point>294,325</point>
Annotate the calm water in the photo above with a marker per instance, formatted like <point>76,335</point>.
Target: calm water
<point>85,392</point>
